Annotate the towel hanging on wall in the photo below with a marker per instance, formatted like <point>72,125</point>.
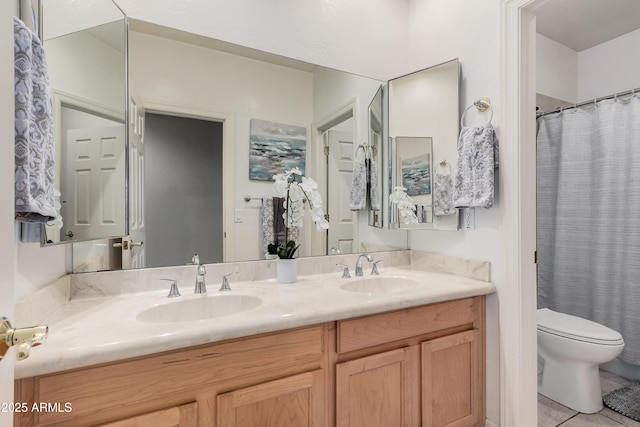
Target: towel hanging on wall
<point>34,150</point>
<point>477,160</point>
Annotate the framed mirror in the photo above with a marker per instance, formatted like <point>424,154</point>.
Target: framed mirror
<point>86,53</point>
<point>376,137</point>
<point>423,129</point>
<point>235,87</point>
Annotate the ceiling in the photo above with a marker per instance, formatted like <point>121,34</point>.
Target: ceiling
<point>581,24</point>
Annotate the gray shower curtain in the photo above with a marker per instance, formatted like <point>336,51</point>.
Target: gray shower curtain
<point>588,210</point>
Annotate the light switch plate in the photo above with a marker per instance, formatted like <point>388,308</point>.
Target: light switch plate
<point>239,215</point>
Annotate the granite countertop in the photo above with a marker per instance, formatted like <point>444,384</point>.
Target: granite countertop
<point>101,329</point>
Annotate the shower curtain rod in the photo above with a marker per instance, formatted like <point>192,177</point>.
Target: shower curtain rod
<point>593,101</point>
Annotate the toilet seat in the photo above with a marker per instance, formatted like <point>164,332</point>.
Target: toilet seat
<point>576,328</point>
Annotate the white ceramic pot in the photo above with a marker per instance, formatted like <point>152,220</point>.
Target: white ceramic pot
<point>287,270</point>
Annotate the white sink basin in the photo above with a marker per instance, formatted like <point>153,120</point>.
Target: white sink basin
<point>199,308</point>
<point>379,284</point>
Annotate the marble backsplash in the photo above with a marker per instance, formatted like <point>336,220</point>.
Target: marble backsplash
<point>37,307</point>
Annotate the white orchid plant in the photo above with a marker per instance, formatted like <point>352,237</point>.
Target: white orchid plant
<point>296,188</point>
<point>404,203</point>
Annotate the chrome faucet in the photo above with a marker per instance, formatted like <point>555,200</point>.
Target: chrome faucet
<point>225,282</point>
<point>201,286</point>
<point>359,263</point>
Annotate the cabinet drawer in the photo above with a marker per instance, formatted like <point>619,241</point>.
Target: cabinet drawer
<point>363,332</point>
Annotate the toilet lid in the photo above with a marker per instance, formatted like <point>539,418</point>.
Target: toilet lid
<point>576,328</point>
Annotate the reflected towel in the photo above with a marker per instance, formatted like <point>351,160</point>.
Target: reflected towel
<point>374,191</point>
<point>358,198</point>
<point>34,151</point>
<point>443,195</point>
<point>477,160</point>
<point>272,222</point>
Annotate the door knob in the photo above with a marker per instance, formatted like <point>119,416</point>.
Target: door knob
<point>23,338</point>
<point>133,244</point>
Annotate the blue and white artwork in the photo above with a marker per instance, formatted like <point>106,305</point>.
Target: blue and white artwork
<point>416,175</point>
<point>275,148</point>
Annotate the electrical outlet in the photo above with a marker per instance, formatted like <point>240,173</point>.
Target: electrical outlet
<point>469,219</point>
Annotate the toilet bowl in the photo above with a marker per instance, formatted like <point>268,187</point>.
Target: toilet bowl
<point>572,349</point>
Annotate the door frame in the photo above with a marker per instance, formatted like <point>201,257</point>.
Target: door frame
<point>228,160</point>
<point>8,227</point>
<point>517,308</point>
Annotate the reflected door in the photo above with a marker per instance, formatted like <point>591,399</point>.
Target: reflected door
<point>134,255</point>
<point>343,230</point>
<point>92,191</point>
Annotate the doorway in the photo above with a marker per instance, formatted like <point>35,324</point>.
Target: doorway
<point>342,234</point>
<point>336,150</point>
<point>183,190</point>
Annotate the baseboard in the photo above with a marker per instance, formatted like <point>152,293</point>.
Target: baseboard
<point>489,423</point>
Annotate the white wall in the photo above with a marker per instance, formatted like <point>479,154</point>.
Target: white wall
<point>366,37</point>
<point>609,68</point>
<point>556,70</point>
<point>222,82</point>
<point>440,30</point>
<point>74,56</point>
<point>602,70</point>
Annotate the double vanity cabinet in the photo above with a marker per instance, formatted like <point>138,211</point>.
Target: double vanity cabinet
<point>418,366</point>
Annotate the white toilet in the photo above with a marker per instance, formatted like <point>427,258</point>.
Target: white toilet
<point>572,349</point>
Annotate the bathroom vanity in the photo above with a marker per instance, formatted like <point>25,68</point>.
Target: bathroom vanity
<point>404,348</point>
<point>418,366</point>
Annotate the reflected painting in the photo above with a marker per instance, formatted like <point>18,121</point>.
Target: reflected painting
<point>274,148</point>
<point>416,175</point>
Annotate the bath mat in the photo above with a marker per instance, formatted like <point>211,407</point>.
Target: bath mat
<point>625,400</point>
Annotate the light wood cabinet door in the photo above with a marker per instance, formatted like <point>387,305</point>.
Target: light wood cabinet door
<point>377,390</point>
<point>179,416</point>
<point>295,401</point>
<point>452,381</point>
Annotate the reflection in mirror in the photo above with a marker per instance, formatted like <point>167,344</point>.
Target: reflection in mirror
<point>219,82</point>
<point>413,166</point>
<point>423,112</point>
<point>86,63</point>
<point>375,143</point>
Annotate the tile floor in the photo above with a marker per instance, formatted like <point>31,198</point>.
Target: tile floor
<point>552,414</point>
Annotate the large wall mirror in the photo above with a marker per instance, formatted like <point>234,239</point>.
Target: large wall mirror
<point>423,129</point>
<point>85,44</point>
<point>228,89</point>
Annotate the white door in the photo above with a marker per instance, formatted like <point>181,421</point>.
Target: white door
<point>133,248</point>
<point>92,193</point>
<point>342,233</point>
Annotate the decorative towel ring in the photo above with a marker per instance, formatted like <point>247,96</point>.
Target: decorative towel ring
<point>482,105</point>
